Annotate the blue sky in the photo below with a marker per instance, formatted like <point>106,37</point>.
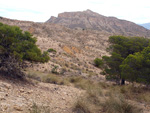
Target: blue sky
<point>40,10</point>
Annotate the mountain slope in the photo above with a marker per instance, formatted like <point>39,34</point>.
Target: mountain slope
<point>146,25</point>
<point>20,97</point>
<point>76,49</point>
<point>91,20</point>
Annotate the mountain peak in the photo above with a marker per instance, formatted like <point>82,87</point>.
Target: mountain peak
<point>91,20</point>
<point>89,11</point>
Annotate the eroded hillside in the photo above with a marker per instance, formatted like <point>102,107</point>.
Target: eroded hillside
<point>94,21</point>
<point>76,49</point>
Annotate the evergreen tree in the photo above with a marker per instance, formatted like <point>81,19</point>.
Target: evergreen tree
<point>122,49</point>
<point>17,46</point>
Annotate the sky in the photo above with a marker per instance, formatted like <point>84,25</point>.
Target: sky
<point>136,11</point>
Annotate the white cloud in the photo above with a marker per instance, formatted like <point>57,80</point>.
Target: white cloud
<point>40,10</point>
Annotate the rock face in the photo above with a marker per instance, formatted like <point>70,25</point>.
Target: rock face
<point>91,20</point>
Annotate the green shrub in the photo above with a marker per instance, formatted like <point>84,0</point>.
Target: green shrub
<point>98,62</point>
<point>54,70</point>
<point>15,47</point>
<point>129,59</point>
<point>51,50</point>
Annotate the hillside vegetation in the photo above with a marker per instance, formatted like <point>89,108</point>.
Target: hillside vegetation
<point>129,60</point>
<point>16,47</point>
<point>71,81</point>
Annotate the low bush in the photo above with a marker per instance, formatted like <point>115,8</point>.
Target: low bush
<point>17,46</point>
<point>98,62</point>
<point>51,50</point>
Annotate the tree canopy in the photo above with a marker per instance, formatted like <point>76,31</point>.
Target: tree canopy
<point>17,46</point>
<point>129,59</point>
<point>136,67</point>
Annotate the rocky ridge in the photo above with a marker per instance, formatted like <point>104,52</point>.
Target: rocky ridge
<point>94,21</point>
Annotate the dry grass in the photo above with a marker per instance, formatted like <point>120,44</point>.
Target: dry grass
<point>117,104</point>
<point>48,78</point>
<point>55,79</point>
<point>82,106</point>
<point>89,103</point>
<point>80,82</point>
<point>140,93</point>
<point>136,93</point>
<point>76,81</point>
<point>35,75</point>
<point>39,109</point>
<point>100,96</point>
<point>95,103</point>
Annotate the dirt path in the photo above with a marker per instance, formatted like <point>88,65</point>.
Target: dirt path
<point>19,98</point>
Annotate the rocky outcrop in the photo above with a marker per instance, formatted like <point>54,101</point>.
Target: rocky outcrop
<point>91,20</point>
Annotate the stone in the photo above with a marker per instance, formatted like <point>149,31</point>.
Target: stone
<point>2,98</point>
<point>18,108</point>
<point>29,92</point>
<point>22,90</point>
<point>6,85</point>
<point>63,98</point>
